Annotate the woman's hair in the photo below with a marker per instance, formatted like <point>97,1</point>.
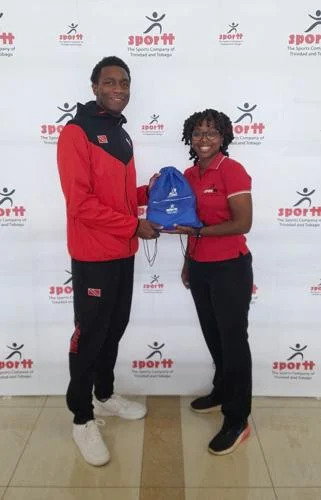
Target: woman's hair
<point>222,123</point>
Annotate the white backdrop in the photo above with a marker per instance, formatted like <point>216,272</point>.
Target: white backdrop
<point>259,62</point>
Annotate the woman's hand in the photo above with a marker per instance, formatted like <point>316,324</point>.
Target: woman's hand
<point>152,181</point>
<point>184,275</point>
<point>190,231</point>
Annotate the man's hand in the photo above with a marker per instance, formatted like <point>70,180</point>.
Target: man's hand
<point>148,230</point>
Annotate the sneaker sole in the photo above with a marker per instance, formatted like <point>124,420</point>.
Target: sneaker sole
<point>245,434</point>
<point>95,463</point>
<point>206,410</point>
<point>104,413</point>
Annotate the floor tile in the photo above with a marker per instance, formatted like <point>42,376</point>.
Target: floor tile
<point>168,401</point>
<point>186,401</point>
<point>298,493</point>
<point>55,402</point>
<point>243,468</point>
<point>52,459</point>
<point>2,490</point>
<point>162,494</point>
<point>22,401</point>
<point>72,494</point>
<point>163,452</point>
<point>269,402</point>
<point>15,427</point>
<point>291,440</point>
<point>229,494</point>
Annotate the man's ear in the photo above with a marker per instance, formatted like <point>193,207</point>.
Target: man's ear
<point>94,87</point>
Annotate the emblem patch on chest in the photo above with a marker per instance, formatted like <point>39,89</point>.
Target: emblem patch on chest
<point>102,139</point>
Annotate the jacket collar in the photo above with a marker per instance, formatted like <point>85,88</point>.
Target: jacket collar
<point>92,109</point>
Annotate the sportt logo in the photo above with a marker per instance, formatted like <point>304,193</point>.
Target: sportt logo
<point>72,37</point>
<point>247,131</point>
<point>6,196</point>
<point>307,43</point>
<point>154,127</point>
<point>316,289</point>
<point>50,132</point>
<point>6,41</point>
<point>232,35</point>
<point>14,364</point>
<point>10,214</point>
<point>154,365</point>
<point>294,367</point>
<point>152,42</point>
<point>62,294</point>
<point>302,213</point>
<point>154,286</point>
<point>66,112</point>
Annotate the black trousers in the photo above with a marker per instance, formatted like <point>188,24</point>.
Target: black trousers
<point>102,302</point>
<point>222,294</point>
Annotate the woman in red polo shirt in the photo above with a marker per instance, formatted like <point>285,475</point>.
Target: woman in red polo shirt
<point>218,270</point>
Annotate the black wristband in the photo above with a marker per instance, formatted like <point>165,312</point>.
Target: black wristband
<point>198,232</point>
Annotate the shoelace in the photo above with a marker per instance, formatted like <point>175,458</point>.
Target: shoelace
<point>120,400</point>
<point>100,422</point>
<point>95,434</point>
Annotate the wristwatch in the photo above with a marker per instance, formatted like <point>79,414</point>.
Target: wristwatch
<point>197,233</point>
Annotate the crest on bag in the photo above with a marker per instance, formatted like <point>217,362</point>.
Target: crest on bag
<point>172,201</point>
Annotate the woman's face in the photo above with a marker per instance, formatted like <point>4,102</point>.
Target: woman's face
<point>206,141</point>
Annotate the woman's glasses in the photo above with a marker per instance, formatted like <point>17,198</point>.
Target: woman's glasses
<point>210,135</point>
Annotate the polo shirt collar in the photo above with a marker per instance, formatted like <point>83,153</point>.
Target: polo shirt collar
<point>216,162</point>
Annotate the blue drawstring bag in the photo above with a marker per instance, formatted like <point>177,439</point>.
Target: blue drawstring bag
<point>172,201</point>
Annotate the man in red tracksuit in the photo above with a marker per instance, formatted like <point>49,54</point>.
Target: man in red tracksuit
<point>98,178</point>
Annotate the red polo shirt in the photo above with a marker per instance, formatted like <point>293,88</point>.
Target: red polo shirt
<point>222,179</point>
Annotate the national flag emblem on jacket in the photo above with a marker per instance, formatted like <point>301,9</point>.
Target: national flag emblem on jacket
<point>94,292</point>
<point>102,139</point>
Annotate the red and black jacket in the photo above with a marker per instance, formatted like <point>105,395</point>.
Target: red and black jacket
<point>98,178</point>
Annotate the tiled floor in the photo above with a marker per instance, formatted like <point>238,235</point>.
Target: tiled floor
<point>163,457</point>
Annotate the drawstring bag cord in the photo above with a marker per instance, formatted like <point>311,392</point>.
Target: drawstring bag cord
<point>150,259</point>
<point>188,252</point>
<point>183,247</point>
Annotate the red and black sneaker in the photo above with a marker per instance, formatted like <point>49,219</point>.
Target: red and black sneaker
<point>206,404</point>
<point>228,439</point>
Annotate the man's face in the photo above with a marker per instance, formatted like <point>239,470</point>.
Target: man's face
<point>112,90</point>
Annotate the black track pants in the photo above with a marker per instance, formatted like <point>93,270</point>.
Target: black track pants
<point>222,294</point>
<point>102,302</point>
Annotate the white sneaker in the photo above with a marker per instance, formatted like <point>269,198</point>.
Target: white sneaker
<point>120,407</point>
<point>90,442</point>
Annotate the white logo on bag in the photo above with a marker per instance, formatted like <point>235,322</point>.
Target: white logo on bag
<point>172,209</point>
<point>172,193</point>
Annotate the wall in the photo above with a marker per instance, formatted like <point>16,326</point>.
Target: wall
<point>259,62</point>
